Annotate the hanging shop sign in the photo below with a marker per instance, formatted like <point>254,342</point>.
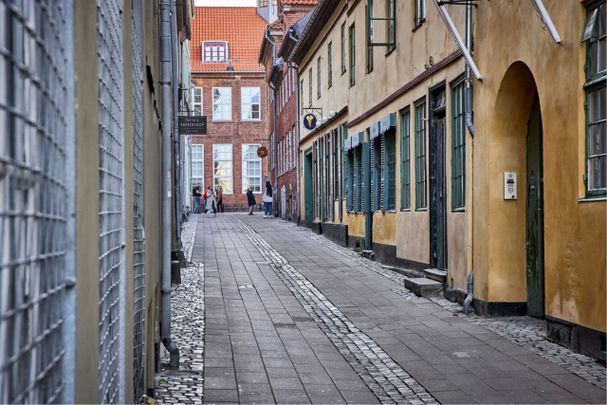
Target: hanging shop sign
<point>262,152</point>
<point>192,124</point>
<point>309,121</point>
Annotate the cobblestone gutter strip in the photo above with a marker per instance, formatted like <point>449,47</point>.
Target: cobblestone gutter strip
<point>185,386</point>
<point>384,377</point>
<point>529,333</point>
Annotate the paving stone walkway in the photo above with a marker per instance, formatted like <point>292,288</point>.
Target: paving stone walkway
<point>529,333</point>
<point>294,318</point>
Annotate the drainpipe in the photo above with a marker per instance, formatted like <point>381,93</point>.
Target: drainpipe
<point>470,295</point>
<point>176,139</point>
<point>165,85</point>
<point>297,163</point>
<point>470,125</point>
<point>275,133</point>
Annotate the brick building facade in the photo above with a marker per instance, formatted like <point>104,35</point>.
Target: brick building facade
<point>228,87</point>
<point>282,81</point>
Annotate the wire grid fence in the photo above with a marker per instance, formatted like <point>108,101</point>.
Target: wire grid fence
<point>33,198</point>
<point>111,198</point>
<point>138,217</point>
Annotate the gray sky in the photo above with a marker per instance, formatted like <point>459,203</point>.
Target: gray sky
<point>226,3</point>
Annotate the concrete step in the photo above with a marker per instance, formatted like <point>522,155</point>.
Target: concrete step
<point>405,272</point>
<point>423,287</point>
<point>436,275</point>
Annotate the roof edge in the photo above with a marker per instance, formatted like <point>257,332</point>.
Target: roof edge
<point>321,14</point>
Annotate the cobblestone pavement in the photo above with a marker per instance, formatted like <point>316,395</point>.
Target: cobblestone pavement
<point>295,318</point>
<point>291,320</point>
<point>184,386</point>
<point>386,379</point>
<point>527,332</point>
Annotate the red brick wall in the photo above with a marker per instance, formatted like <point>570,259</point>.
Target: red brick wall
<point>235,132</point>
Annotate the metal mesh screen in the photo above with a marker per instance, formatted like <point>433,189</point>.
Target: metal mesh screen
<point>34,197</point>
<point>139,239</point>
<point>111,201</point>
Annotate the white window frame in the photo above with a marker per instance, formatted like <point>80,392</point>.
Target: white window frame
<point>244,167</point>
<point>193,161</point>
<point>246,101</point>
<point>215,49</point>
<point>195,103</point>
<point>224,104</point>
<point>231,175</point>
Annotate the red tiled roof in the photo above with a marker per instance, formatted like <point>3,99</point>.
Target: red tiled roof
<point>241,27</point>
<point>304,2</point>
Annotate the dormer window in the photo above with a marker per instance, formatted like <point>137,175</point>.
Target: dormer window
<point>215,52</point>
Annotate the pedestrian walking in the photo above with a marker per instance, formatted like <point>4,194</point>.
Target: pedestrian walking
<point>204,198</point>
<point>220,198</point>
<point>267,200</point>
<point>251,199</point>
<point>211,205</point>
<point>196,194</point>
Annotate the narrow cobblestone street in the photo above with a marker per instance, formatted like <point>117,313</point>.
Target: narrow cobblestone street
<point>287,316</point>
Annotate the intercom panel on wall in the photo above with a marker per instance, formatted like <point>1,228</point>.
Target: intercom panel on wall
<point>510,186</point>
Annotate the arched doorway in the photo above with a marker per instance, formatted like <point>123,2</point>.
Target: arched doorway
<point>517,138</point>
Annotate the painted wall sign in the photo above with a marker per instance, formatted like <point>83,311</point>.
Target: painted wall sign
<point>193,124</point>
<point>309,121</point>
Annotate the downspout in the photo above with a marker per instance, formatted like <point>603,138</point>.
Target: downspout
<point>297,158</point>
<point>165,85</point>
<point>176,136</point>
<point>275,134</point>
<point>470,125</point>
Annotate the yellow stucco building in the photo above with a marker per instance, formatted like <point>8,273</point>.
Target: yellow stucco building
<point>510,189</point>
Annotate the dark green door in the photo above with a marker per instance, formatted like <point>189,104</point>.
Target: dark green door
<point>308,193</point>
<point>535,214</point>
<point>438,197</point>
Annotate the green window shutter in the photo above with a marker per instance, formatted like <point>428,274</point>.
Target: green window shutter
<point>356,181</point>
<point>382,182</point>
<point>366,177</point>
<point>405,168</point>
<point>348,179</point>
<point>390,171</point>
<point>373,182</point>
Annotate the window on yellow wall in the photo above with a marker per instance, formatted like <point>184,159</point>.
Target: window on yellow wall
<point>420,12</point>
<point>595,177</point>
<point>343,48</point>
<point>310,87</point>
<point>318,77</point>
<point>352,56</point>
<point>458,147</point>
<point>369,10</point>
<point>420,155</point>
<point>330,64</point>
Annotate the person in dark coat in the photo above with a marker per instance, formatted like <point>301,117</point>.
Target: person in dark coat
<point>251,199</point>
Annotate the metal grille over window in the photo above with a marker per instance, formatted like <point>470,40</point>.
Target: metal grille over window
<point>111,198</point>
<point>35,184</point>
<point>138,214</point>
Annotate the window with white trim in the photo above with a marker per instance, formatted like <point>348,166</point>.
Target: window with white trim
<point>215,52</point>
<point>250,103</point>
<point>251,168</point>
<point>197,164</point>
<point>222,103</point>
<point>197,100</point>
<point>222,167</point>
